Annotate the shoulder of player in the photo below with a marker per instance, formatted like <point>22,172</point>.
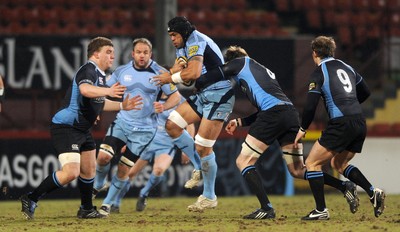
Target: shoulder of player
<point>317,74</point>
<point>156,68</point>
<point>196,38</point>
<point>124,67</point>
<point>86,70</point>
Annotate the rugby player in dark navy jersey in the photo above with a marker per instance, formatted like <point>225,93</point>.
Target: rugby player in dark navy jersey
<point>343,90</point>
<point>70,128</point>
<point>276,120</point>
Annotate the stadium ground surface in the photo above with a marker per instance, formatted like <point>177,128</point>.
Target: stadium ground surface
<point>170,214</point>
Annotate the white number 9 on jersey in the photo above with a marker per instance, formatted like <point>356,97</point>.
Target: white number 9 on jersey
<point>345,79</point>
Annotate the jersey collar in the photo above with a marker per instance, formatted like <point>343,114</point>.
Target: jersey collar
<point>326,60</point>
<point>97,67</point>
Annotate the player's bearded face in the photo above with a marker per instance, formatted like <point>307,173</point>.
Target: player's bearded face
<point>141,55</point>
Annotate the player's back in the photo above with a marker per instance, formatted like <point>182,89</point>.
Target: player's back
<point>339,88</point>
<point>257,82</point>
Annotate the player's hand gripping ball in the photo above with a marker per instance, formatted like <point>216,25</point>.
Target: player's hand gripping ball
<point>182,61</point>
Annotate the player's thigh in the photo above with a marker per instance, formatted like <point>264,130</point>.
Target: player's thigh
<point>187,113</point>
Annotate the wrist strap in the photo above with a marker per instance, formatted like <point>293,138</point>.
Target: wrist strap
<point>176,78</point>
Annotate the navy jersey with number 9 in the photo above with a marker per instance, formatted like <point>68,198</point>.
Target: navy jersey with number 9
<point>336,82</point>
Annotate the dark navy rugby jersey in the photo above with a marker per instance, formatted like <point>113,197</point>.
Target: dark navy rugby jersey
<point>336,82</point>
<point>78,111</point>
<point>340,86</point>
<point>257,82</point>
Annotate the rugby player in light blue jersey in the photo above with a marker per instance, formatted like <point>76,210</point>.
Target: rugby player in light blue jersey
<point>210,106</point>
<point>161,151</point>
<point>135,129</point>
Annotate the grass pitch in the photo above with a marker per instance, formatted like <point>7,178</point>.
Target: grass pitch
<point>170,214</point>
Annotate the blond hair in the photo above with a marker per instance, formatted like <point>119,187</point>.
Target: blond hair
<point>234,52</point>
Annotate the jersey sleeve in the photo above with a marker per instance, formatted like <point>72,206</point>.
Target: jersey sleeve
<point>85,75</point>
<point>362,89</point>
<point>196,49</point>
<point>233,67</point>
<point>316,81</point>
<point>313,96</point>
<point>169,89</point>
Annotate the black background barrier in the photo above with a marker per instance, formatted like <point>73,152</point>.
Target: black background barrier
<point>24,163</point>
<point>48,64</point>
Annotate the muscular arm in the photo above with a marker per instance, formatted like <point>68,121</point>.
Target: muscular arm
<point>220,73</point>
<point>191,72</point>
<point>173,100</point>
<point>92,91</point>
<point>193,69</point>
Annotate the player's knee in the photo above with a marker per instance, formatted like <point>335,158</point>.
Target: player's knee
<point>72,176</point>
<point>294,161</point>
<point>203,145</point>
<point>158,171</point>
<point>106,153</point>
<point>175,124</point>
<point>249,154</point>
<point>103,159</point>
<point>172,129</point>
<point>69,175</point>
<point>124,166</point>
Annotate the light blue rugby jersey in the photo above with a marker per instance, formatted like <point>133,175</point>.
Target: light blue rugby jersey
<point>199,44</point>
<point>138,82</point>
